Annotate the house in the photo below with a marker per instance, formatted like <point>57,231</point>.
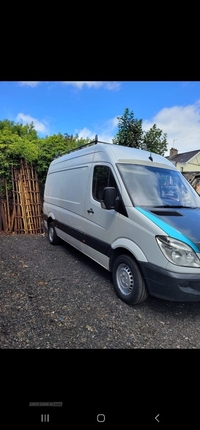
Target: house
<point>185,162</point>
<point>188,163</point>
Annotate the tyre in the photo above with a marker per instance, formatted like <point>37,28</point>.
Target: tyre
<point>52,236</point>
<point>128,281</point>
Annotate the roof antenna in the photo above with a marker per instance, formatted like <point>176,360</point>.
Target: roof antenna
<point>96,139</point>
<point>150,157</point>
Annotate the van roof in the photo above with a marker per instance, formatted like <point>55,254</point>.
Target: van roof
<point>117,153</point>
<point>125,154</point>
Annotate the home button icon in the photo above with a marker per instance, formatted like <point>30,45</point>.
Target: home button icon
<point>101,418</point>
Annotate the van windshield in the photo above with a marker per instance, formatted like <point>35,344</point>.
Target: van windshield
<point>157,186</point>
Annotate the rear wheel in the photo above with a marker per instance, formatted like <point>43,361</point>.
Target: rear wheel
<point>128,281</point>
<point>52,236</point>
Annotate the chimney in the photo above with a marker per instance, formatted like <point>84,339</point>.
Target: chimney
<point>173,152</point>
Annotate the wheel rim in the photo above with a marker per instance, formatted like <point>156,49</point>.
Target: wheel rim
<point>51,234</point>
<point>124,279</point>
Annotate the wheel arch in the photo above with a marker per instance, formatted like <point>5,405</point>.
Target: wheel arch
<point>127,247</point>
<point>51,218</point>
<point>116,253</point>
<point>124,251</point>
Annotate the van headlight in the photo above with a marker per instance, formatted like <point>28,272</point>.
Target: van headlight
<point>178,252</point>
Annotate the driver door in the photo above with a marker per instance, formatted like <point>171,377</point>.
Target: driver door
<point>100,224</point>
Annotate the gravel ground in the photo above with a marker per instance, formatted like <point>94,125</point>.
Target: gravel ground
<point>55,297</point>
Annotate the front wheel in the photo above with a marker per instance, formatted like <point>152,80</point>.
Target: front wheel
<point>128,281</point>
<point>52,236</point>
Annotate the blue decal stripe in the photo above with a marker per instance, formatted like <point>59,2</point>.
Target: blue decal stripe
<point>168,229</point>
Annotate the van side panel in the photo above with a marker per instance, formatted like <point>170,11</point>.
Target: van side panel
<point>64,198</point>
<point>60,193</point>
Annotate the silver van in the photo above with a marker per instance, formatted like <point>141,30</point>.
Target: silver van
<point>133,213</point>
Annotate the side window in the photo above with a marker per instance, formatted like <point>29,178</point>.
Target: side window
<point>102,178</point>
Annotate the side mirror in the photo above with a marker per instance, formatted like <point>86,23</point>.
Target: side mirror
<point>108,198</point>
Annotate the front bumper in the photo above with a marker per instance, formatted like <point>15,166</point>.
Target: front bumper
<point>169,285</point>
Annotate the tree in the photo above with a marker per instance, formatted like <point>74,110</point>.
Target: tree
<point>130,133</point>
<point>16,141</point>
<point>155,140</point>
<point>75,141</point>
<point>129,130</point>
<point>49,148</point>
<point>52,147</point>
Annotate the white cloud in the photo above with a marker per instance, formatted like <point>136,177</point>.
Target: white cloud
<point>111,85</point>
<point>29,83</point>
<point>108,85</point>
<point>182,125</point>
<point>105,133</point>
<point>112,123</point>
<point>40,126</point>
<point>103,136</point>
<point>86,133</point>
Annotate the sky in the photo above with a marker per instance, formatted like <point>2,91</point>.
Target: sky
<point>90,108</point>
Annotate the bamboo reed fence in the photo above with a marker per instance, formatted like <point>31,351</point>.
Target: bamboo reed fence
<point>22,212</point>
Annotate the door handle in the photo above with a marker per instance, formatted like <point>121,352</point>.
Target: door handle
<point>90,211</point>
